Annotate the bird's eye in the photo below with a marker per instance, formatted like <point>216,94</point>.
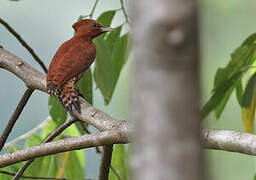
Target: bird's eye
<point>94,25</point>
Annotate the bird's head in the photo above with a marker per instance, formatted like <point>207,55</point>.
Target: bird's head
<point>89,28</point>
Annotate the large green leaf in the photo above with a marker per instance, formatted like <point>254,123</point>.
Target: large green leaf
<point>249,91</point>
<point>48,129</point>
<point>220,107</point>
<point>219,95</point>
<point>249,104</point>
<point>32,170</point>
<point>46,164</point>
<point>57,112</point>
<point>76,160</point>
<point>53,165</point>
<point>106,18</point>
<point>74,169</point>
<point>111,56</point>
<point>239,92</point>
<point>120,54</point>
<point>227,79</point>
<point>119,162</point>
<point>85,86</point>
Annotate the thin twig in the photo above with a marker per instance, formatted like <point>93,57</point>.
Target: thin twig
<point>26,135</point>
<point>105,162</point>
<point>91,13</point>
<point>48,139</point>
<point>93,8</point>
<point>124,11</point>
<point>15,116</point>
<point>23,42</point>
<point>115,172</point>
<point>32,177</point>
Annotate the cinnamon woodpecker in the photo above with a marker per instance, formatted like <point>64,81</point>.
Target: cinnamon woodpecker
<point>71,61</point>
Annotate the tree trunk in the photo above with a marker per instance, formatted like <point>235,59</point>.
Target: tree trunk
<point>166,91</point>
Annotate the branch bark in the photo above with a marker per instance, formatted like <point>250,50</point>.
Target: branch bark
<point>105,162</point>
<point>230,141</point>
<point>116,136</point>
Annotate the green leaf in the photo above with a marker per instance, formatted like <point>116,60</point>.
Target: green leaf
<point>248,92</point>
<point>111,56</point>
<point>120,55</point>
<point>49,128</point>
<point>239,92</point>
<point>106,18</point>
<point>53,165</point>
<point>226,79</point>
<point>104,70</point>
<point>85,86</point>
<point>219,95</point>
<point>41,163</point>
<point>33,140</point>
<point>219,108</point>
<point>57,112</point>
<point>112,38</point>
<point>119,162</point>
<point>249,104</point>
<point>73,131</point>
<point>74,169</point>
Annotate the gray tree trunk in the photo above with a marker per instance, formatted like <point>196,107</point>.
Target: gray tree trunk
<point>165,91</point>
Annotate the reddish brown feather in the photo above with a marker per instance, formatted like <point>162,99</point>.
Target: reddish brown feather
<point>71,60</point>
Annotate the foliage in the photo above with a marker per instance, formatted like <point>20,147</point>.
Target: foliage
<point>229,78</point>
<point>111,56</point>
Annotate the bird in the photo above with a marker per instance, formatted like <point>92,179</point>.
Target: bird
<point>71,61</point>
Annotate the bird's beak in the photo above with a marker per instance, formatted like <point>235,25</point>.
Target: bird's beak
<point>106,29</point>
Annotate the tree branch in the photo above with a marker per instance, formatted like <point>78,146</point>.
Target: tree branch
<point>15,116</point>
<point>21,40</point>
<point>32,177</point>
<point>93,8</point>
<point>54,134</point>
<point>115,136</point>
<point>92,11</point>
<point>124,12</point>
<point>230,141</point>
<point>105,162</point>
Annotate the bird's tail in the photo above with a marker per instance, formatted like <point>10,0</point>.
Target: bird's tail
<point>69,98</point>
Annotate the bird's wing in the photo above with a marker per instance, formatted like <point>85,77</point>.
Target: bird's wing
<point>71,59</point>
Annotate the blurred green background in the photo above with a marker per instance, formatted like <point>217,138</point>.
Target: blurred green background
<point>46,24</point>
